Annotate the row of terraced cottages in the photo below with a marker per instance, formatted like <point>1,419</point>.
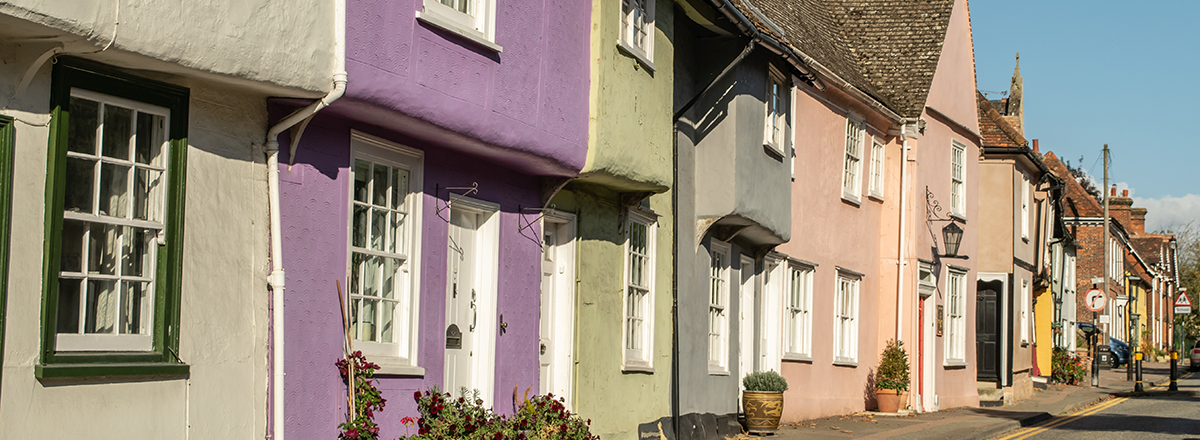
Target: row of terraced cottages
<point>630,204</point>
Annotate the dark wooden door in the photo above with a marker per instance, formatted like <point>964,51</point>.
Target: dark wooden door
<point>987,329</point>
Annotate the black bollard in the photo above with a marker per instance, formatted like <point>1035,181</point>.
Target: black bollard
<point>1137,386</point>
<point>1174,370</point>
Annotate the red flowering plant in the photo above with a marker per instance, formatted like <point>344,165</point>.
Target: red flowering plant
<point>540,418</point>
<point>546,418</point>
<point>367,400</point>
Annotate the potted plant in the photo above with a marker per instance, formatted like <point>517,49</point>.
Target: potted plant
<point>891,378</point>
<point>762,401</point>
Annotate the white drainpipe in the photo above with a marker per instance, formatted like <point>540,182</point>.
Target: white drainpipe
<point>902,259</point>
<point>276,278</point>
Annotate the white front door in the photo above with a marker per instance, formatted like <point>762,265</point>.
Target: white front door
<point>462,298</point>
<point>747,323</point>
<point>556,324</point>
<point>471,288</point>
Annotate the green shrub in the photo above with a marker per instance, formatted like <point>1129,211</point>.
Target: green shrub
<point>892,373</point>
<point>769,381</point>
<point>1066,368</point>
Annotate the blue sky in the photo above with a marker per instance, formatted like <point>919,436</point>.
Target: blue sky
<point>1096,72</point>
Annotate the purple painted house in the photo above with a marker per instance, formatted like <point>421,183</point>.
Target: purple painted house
<point>418,191</point>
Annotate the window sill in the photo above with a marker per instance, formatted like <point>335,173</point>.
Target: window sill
<point>853,200</point>
<point>158,370</point>
<point>876,196</point>
<point>773,149</point>
<point>797,357</point>
<point>637,367</point>
<point>637,54</point>
<point>959,217</point>
<point>955,363</point>
<point>717,371</point>
<point>471,35</point>
<point>393,368</point>
<point>846,363</point>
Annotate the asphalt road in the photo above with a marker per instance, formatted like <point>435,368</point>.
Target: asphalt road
<point>1141,418</point>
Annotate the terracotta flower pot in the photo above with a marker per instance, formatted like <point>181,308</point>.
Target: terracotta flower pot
<point>889,400</point>
<point>762,409</point>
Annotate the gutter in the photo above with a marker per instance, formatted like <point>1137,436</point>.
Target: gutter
<point>276,278</point>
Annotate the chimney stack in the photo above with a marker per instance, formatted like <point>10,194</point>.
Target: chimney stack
<point>1137,216</point>
<point>1118,208</point>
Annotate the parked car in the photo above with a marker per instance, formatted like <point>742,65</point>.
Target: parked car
<point>1194,365</point>
<point>1120,352</point>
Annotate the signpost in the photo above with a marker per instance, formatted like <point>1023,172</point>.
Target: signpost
<point>1183,305</point>
<point>1095,300</point>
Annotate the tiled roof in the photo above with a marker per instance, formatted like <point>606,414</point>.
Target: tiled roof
<point>1147,247</point>
<point>996,131</point>
<point>889,49</point>
<point>1077,203</point>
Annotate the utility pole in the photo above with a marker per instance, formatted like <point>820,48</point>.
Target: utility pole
<point>1096,346</point>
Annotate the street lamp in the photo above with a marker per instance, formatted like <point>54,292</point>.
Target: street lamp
<point>952,236</point>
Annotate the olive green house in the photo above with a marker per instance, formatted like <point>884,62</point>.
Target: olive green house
<point>607,234</point>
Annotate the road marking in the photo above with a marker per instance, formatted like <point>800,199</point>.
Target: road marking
<point>1057,421</point>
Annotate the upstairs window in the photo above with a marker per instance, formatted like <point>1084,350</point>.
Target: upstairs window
<point>852,166</point>
<point>775,136</point>
<point>877,164</point>
<point>958,178</point>
<point>1025,207</point>
<point>637,30</point>
<point>473,19</point>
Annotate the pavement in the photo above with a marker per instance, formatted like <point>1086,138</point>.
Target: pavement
<point>977,423</point>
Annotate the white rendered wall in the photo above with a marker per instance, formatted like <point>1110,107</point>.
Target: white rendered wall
<point>287,43</point>
<point>223,325</point>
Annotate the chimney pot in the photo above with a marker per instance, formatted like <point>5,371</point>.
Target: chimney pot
<point>1113,193</point>
<point>1124,193</point>
<point>1035,145</point>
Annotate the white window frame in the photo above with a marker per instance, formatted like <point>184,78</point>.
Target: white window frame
<point>637,353</point>
<point>718,308</point>
<point>1025,207</point>
<point>399,356</point>
<point>775,130</point>
<point>956,311</point>
<point>1025,305</point>
<point>477,24</point>
<point>852,161</point>
<point>114,339</point>
<point>797,311</point>
<point>958,179</point>
<point>878,167</point>
<point>629,29</point>
<point>845,322</point>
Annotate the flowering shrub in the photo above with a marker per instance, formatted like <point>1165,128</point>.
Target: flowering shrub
<point>1066,368</point>
<point>540,418</point>
<point>366,399</point>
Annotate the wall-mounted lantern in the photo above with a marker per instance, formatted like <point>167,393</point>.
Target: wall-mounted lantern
<point>952,236</point>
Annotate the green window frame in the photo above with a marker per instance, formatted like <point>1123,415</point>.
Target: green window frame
<point>162,359</point>
<point>7,147</point>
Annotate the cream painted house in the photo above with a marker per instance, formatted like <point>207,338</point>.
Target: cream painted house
<point>134,302</point>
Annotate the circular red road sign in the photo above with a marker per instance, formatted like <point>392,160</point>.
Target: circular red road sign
<point>1094,300</point>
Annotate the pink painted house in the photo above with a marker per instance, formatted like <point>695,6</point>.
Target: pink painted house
<point>886,148</point>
